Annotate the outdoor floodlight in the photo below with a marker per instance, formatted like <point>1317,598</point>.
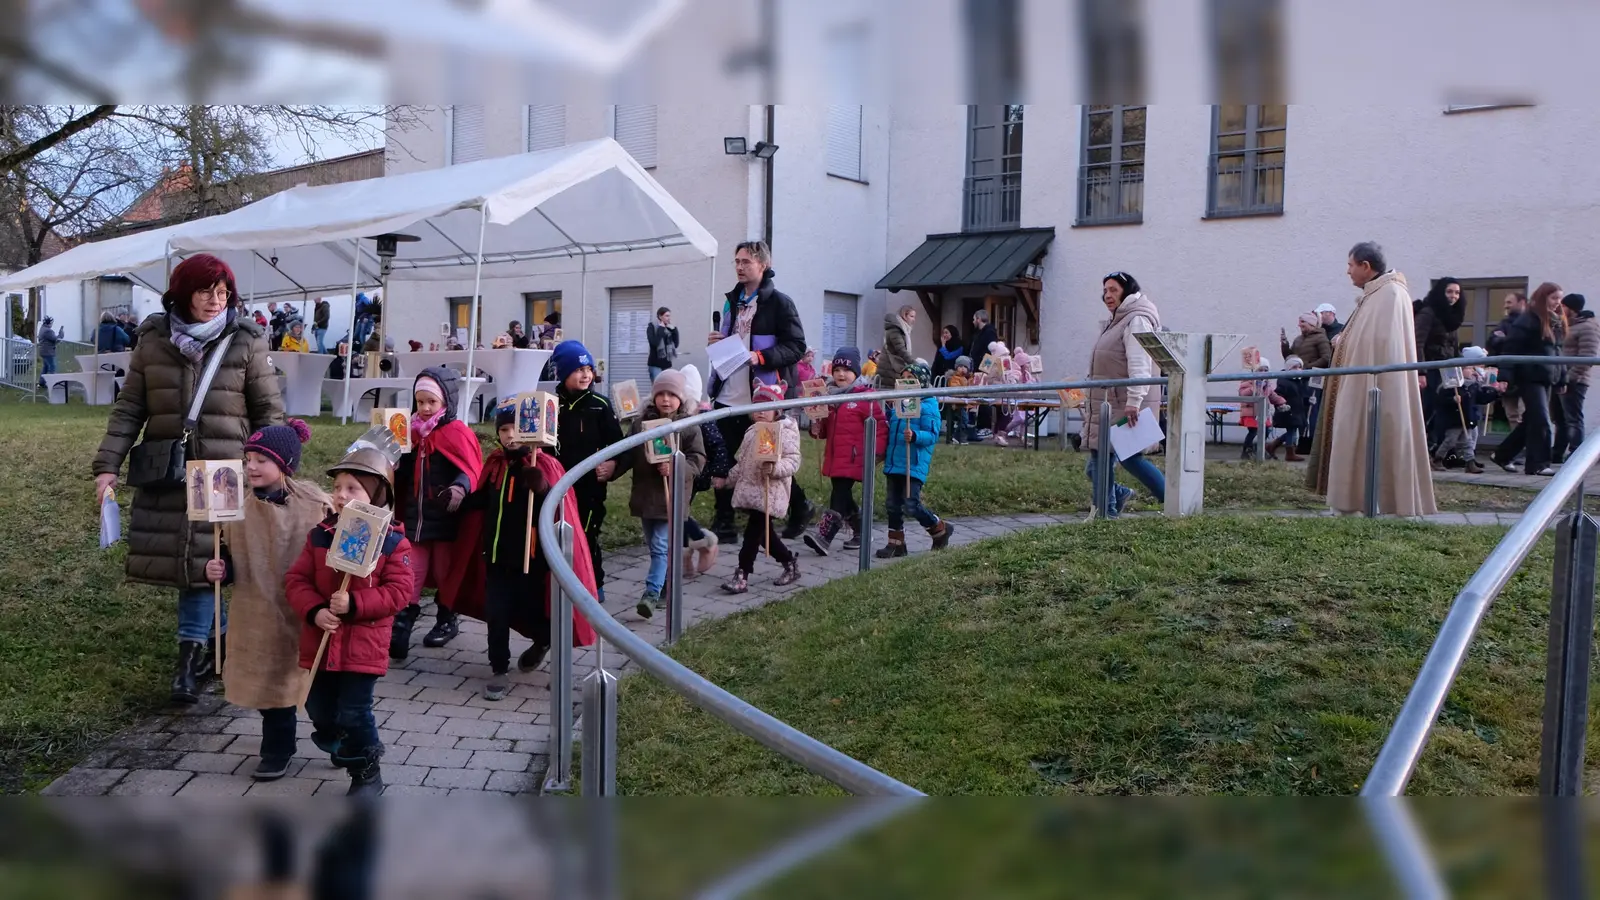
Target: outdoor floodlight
<point>764,150</point>
<point>735,146</point>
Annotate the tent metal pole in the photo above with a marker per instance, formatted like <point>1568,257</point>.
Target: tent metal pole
<point>350,336</point>
<point>465,399</point>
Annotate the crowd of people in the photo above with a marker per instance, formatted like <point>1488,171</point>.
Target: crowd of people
<point>460,517</point>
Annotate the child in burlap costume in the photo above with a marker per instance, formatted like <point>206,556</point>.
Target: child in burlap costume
<point>262,657</point>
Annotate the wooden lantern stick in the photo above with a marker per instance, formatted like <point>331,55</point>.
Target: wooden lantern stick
<point>316,661</point>
<point>527,532</point>
<point>766,511</point>
<point>216,596</point>
<point>1461,409</point>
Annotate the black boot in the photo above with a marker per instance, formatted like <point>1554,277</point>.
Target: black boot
<point>444,629</point>
<point>400,636</point>
<point>185,688</point>
<point>205,665</point>
<point>366,777</point>
<point>799,520</point>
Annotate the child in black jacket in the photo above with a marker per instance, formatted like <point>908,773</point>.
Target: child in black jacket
<point>587,425</point>
<point>1460,444</point>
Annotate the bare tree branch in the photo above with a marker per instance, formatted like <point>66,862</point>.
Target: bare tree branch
<point>67,130</point>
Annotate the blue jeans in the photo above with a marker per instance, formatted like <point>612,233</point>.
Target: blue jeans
<point>340,707</point>
<point>47,365</point>
<point>195,614</point>
<point>655,372</point>
<point>655,536</point>
<point>1136,465</point>
<point>901,505</point>
<point>322,339</point>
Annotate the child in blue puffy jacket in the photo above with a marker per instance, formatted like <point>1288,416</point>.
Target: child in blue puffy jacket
<point>908,457</point>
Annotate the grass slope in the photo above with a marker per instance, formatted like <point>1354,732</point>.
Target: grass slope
<point>1151,657</point>
<point>86,654</point>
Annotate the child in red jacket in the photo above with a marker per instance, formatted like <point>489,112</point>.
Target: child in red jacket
<point>845,431</point>
<point>359,621</point>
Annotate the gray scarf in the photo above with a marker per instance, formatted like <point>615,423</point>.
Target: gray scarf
<point>192,339</point>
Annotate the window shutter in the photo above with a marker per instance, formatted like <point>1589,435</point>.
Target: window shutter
<point>844,142</point>
<point>635,129</point>
<point>547,127</point>
<point>467,141</point>
<point>838,325</point>
<point>627,348</point>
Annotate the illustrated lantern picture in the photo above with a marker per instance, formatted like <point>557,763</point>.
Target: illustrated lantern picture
<point>215,490</point>
<point>626,396</point>
<point>398,421</point>
<point>537,415</point>
<point>1036,364</point>
<point>768,441</point>
<point>907,408</point>
<point>816,387</point>
<point>660,449</point>
<point>358,538</point>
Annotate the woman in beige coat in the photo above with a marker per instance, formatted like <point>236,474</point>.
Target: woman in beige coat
<point>1118,354</point>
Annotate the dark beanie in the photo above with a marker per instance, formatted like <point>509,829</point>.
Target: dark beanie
<point>1573,302</point>
<point>281,444</point>
<point>569,357</point>
<point>848,358</point>
<point>505,415</point>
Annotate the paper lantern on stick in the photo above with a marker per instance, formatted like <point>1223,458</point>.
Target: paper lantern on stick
<point>358,539</point>
<point>1036,364</point>
<point>215,490</point>
<point>1451,378</point>
<point>816,387</point>
<point>907,408</point>
<point>538,413</point>
<point>626,396</point>
<point>1252,358</point>
<point>398,421</point>
<point>769,441</point>
<point>660,449</point>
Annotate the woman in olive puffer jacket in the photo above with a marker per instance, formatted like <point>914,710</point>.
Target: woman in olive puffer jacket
<point>164,548</point>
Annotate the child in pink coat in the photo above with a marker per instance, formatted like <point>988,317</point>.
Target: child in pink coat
<point>762,487</point>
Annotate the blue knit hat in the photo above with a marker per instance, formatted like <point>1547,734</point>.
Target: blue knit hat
<point>848,358</point>
<point>281,444</point>
<point>569,357</point>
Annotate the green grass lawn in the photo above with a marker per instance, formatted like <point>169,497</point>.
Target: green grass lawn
<point>1201,656</point>
<point>86,655</point>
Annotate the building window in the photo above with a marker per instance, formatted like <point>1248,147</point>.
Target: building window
<point>1111,165</point>
<point>536,305</point>
<point>844,142</point>
<point>994,49</point>
<point>467,141</point>
<point>992,193</point>
<point>461,315</point>
<point>634,127</point>
<point>547,127</point>
<point>1247,157</point>
<point>1247,49</point>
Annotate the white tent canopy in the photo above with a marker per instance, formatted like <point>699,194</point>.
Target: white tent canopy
<point>531,214</point>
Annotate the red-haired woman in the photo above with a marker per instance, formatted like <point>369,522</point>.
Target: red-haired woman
<point>1531,334</point>
<point>164,548</point>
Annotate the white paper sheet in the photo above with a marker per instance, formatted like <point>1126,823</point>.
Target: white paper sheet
<point>728,356</point>
<point>1127,440</point>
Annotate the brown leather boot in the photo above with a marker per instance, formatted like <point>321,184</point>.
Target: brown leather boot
<point>1289,455</point>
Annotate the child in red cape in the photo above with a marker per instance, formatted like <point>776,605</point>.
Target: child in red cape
<point>431,482</point>
<point>497,590</point>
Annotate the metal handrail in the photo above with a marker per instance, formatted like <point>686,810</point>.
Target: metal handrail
<point>1408,737</point>
<point>788,741</point>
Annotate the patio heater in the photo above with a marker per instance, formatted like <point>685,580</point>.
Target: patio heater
<point>388,247</point>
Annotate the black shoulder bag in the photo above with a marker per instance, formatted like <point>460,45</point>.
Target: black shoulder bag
<point>161,463</point>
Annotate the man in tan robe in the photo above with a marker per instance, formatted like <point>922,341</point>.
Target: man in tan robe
<point>1379,332</point>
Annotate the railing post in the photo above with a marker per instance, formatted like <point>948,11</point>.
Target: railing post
<point>1567,657</point>
<point>600,734</point>
<point>679,510</point>
<point>1374,423</point>
<point>1102,464</point>
<point>869,487</point>
<point>600,821</point>
<point>1263,419</point>
<point>558,776</point>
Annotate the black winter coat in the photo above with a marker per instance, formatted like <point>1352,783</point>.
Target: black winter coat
<point>587,426</point>
<point>1526,338</point>
<point>775,318</point>
<point>1296,393</point>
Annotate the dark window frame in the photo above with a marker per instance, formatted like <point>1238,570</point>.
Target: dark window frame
<point>992,200</point>
<point>1119,185</point>
<point>1254,201</point>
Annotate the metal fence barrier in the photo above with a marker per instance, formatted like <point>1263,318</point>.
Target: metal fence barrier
<point>858,778</point>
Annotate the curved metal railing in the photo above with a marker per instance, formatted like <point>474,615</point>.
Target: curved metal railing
<point>857,777</point>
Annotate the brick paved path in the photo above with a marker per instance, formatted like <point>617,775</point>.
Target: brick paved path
<point>441,736</point>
